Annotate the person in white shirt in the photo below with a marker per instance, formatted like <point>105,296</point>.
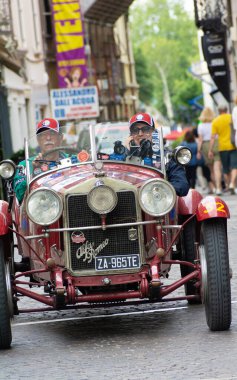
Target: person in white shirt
<point>204,136</point>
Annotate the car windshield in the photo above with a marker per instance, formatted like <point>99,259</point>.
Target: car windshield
<point>115,142</point>
<point>104,141</point>
<point>107,134</point>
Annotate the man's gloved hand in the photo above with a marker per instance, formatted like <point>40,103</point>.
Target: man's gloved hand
<point>145,149</point>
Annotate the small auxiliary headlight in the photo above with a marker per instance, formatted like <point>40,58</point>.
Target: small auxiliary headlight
<point>7,169</point>
<point>182,155</point>
<point>102,199</point>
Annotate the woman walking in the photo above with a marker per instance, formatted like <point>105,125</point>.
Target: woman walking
<point>204,135</point>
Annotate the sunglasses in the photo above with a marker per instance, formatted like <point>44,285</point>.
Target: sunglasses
<point>145,129</point>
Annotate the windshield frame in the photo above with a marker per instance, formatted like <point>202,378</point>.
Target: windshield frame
<point>93,155</point>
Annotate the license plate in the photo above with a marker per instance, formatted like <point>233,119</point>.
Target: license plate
<point>116,262</point>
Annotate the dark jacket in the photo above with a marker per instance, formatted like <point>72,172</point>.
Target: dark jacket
<point>176,175</point>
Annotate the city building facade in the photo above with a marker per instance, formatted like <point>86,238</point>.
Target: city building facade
<point>28,64</point>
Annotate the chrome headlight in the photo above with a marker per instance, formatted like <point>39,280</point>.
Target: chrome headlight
<point>44,206</point>
<point>182,155</point>
<point>102,199</point>
<point>157,197</point>
<point>7,169</point>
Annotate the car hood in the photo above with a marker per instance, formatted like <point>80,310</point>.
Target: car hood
<point>65,179</point>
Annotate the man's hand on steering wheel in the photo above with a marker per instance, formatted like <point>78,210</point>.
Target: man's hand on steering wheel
<point>37,161</point>
<point>40,159</point>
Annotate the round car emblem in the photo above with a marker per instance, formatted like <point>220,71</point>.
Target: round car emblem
<point>44,167</point>
<point>78,237</point>
<point>83,156</point>
<point>37,171</point>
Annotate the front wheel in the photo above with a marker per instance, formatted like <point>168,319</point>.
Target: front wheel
<point>5,302</point>
<point>215,285</point>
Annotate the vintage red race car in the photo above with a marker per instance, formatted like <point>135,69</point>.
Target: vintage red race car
<point>100,227</point>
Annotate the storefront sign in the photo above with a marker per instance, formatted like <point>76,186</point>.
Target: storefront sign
<point>75,103</point>
<point>69,41</point>
<point>214,51</point>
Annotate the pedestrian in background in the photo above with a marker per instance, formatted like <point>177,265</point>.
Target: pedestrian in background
<point>204,137</point>
<point>221,127</point>
<point>234,119</point>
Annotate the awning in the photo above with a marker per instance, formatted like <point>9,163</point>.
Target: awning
<point>174,135</point>
<point>107,11</point>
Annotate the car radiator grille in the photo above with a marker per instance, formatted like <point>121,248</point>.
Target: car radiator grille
<point>79,214</point>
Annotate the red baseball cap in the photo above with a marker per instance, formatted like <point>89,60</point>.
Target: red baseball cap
<point>142,118</point>
<point>47,123</point>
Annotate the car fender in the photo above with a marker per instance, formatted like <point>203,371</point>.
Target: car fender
<point>5,218</point>
<point>188,205</point>
<point>212,207</point>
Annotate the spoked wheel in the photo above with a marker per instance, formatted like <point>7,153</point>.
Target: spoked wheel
<point>188,238</point>
<point>6,305</point>
<point>215,288</point>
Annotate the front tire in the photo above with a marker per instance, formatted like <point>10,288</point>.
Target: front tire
<point>5,312</point>
<point>215,287</point>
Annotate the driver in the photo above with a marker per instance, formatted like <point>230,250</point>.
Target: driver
<point>141,128</point>
<point>49,137</point>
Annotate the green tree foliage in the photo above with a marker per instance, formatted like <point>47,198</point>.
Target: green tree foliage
<point>167,37</point>
<point>143,77</point>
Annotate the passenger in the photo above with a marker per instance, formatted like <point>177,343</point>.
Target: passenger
<point>141,127</point>
<point>48,137</point>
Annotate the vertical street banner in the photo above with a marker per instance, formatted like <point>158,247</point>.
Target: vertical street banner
<point>70,45</point>
<point>215,54</point>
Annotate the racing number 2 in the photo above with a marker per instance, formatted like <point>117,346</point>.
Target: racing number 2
<point>210,207</point>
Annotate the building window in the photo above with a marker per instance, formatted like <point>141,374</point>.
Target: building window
<point>5,17</point>
<point>47,15</point>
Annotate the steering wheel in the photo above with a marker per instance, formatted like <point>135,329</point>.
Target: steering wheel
<point>58,148</point>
